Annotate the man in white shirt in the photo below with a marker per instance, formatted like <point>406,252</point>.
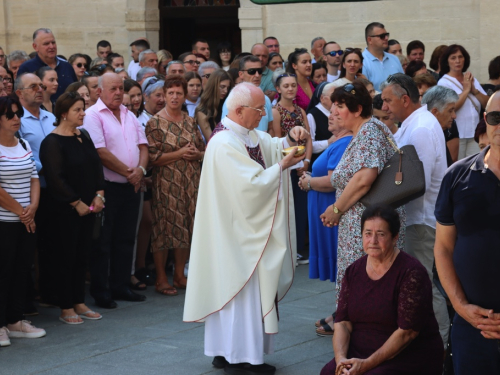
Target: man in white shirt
<point>422,130</point>
<point>333,56</point>
<point>136,47</point>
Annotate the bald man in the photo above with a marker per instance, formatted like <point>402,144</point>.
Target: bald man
<point>122,146</point>
<point>266,84</point>
<point>466,251</point>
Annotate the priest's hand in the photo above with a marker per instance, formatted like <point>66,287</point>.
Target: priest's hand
<point>290,160</point>
<point>299,133</point>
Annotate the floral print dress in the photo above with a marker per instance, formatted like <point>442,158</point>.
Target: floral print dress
<point>368,149</point>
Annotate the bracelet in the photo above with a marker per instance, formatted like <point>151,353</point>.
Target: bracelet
<point>143,169</point>
<point>308,160</point>
<point>77,203</point>
<point>102,198</point>
<point>309,184</point>
<point>291,138</point>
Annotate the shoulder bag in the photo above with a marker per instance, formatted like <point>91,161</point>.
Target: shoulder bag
<point>401,180</point>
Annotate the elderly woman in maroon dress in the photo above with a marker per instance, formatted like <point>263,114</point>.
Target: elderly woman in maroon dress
<point>385,323</point>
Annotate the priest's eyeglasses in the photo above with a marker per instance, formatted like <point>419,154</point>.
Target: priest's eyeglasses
<point>257,109</point>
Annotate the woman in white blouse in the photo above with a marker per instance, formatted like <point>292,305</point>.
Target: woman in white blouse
<point>454,63</point>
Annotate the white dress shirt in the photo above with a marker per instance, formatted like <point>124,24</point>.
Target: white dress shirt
<point>318,146</point>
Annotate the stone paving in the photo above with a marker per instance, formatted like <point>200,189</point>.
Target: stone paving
<point>150,338</point>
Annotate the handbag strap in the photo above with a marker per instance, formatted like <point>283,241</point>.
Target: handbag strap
<point>468,97</point>
<point>398,179</point>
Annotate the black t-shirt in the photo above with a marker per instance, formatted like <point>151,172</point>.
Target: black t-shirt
<point>469,198</point>
<point>488,88</point>
<point>450,134</point>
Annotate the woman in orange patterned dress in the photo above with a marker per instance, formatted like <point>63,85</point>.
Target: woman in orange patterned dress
<point>176,150</point>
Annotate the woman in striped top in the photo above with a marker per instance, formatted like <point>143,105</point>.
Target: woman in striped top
<point>19,195</point>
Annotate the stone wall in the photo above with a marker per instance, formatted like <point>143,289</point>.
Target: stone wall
<point>472,23</point>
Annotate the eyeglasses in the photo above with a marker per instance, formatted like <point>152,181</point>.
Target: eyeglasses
<point>272,45</point>
<point>493,118</point>
<point>334,53</point>
<point>2,56</point>
<point>7,80</point>
<point>392,78</point>
<point>381,36</point>
<point>34,87</point>
<point>257,109</point>
<point>82,65</point>
<point>191,62</point>
<point>350,89</point>
<point>207,76</point>
<point>252,71</point>
<point>225,52</point>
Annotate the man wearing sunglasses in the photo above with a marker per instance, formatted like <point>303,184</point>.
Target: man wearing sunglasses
<point>466,251</point>
<point>36,124</point>
<point>421,129</point>
<point>378,64</point>
<point>333,56</point>
<point>251,72</point>
<point>45,46</point>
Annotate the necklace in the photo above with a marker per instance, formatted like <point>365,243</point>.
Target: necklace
<point>389,265</point>
<point>172,117</point>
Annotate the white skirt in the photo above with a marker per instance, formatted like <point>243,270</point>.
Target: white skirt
<point>237,331</point>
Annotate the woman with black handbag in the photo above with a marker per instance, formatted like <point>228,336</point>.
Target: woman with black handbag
<point>363,160</point>
<point>75,179</point>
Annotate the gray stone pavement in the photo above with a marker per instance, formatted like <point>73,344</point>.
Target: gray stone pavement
<point>150,338</point>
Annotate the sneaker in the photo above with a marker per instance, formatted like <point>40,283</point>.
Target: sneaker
<point>27,331</point>
<point>302,259</point>
<point>4,337</point>
<point>186,269</point>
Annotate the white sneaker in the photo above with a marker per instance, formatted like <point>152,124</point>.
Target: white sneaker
<point>186,269</point>
<point>26,331</point>
<point>4,337</point>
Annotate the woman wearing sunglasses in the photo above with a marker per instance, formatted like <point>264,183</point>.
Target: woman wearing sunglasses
<point>351,66</point>
<point>363,159</point>
<point>79,64</point>
<point>299,64</point>
<point>49,79</point>
<point>19,196</point>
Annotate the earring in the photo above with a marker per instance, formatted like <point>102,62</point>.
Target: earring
<point>64,118</point>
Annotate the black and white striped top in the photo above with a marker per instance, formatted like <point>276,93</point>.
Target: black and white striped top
<point>17,168</point>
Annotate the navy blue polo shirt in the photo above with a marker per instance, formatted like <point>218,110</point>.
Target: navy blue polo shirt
<point>65,73</point>
<point>469,198</point>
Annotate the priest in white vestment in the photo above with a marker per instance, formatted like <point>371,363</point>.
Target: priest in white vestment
<point>243,249</point>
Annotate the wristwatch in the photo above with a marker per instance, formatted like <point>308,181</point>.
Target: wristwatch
<point>337,211</point>
<point>102,198</point>
<point>143,169</point>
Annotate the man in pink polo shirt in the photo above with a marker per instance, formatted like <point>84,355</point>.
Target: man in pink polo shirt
<point>122,145</point>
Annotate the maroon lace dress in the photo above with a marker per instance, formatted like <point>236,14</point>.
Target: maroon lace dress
<point>402,298</point>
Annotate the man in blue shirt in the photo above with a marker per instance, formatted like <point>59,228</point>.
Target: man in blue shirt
<point>251,71</point>
<point>378,64</point>
<point>36,124</point>
<point>45,46</point>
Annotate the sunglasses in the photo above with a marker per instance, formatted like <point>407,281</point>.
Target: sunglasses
<point>191,62</point>
<point>10,113</point>
<point>82,65</point>
<point>207,76</point>
<point>152,81</point>
<point>334,53</point>
<point>381,36</point>
<point>252,71</point>
<point>394,79</point>
<point>34,87</point>
<point>493,118</point>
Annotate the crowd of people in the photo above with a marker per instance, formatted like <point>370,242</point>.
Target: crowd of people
<point>101,168</point>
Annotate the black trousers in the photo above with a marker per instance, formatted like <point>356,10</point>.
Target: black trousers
<point>111,261</point>
<point>16,257</point>
<point>300,205</point>
<point>47,237</point>
<point>70,253</point>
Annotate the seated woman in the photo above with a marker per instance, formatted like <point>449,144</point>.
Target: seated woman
<point>385,323</point>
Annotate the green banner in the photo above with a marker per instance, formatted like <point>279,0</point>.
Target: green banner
<point>269,2</point>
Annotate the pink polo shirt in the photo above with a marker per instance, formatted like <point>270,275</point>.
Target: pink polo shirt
<point>121,139</point>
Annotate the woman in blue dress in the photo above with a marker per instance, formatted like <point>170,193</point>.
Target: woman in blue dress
<point>321,194</point>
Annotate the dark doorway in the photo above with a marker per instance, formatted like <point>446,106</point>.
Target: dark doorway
<point>182,21</point>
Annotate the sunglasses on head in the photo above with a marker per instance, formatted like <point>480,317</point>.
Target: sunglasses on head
<point>207,76</point>
<point>381,36</point>
<point>252,71</point>
<point>334,53</point>
<point>493,118</point>
<point>82,65</point>
<point>151,81</point>
<point>393,79</point>
<point>350,89</point>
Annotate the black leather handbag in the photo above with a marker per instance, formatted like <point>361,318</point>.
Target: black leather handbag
<point>401,181</point>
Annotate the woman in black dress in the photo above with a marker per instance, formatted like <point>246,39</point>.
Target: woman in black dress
<point>75,179</point>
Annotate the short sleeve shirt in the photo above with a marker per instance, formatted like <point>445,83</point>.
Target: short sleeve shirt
<point>377,71</point>
<point>469,198</point>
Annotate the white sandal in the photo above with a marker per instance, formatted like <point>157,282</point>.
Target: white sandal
<point>85,316</point>
<point>65,319</point>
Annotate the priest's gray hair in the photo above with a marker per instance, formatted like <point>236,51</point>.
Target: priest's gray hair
<point>439,97</point>
<point>241,95</point>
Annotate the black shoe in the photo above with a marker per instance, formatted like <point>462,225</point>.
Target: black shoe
<point>106,303</point>
<point>248,369</point>
<point>220,362</point>
<point>128,295</point>
<point>146,276</point>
